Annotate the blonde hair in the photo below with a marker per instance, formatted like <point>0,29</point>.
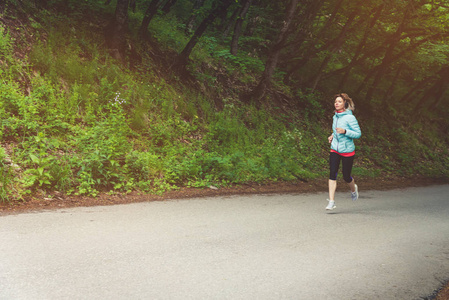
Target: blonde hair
<point>349,104</point>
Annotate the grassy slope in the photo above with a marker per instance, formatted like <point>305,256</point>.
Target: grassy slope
<point>76,121</point>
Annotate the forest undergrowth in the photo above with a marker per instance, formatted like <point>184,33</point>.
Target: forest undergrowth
<point>76,121</point>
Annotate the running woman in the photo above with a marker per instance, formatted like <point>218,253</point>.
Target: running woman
<point>345,129</point>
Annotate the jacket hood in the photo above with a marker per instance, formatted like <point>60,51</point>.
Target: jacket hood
<point>344,113</point>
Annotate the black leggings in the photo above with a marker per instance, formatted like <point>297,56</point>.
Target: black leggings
<point>334,164</point>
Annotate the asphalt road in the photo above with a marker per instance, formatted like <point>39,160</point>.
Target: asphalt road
<point>388,245</point>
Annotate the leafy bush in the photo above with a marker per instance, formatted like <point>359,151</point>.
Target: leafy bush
<point>6,177</point>
<point>6,44</point>
<point>102,150</point>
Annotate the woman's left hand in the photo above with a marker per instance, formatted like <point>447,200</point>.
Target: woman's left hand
<point>340,130</point>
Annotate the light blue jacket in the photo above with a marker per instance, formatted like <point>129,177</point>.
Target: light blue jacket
<point>343,143</point>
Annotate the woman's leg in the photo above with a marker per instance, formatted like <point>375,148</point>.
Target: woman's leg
<point>334,164</point>
<point>347,163</point>
<point>352,185</point>
<point>332,189</point>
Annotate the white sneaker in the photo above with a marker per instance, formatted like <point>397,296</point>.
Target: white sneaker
<point>331,205</point>
<point>355,195</point>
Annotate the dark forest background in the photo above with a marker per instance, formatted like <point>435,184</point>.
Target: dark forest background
<point>150,96</point>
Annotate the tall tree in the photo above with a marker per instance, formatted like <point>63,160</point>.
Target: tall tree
<point>369,27</point>
<point>389,93</point>
<point>168,5</point>
<point>41,3</point>
<point>132,4</point>
<point>387,59</point>
<point>238,26</point>
<point>149,14</point>
<point>231,21</point>
<point>265,81</point>
<point>337,43</point>
<point>305,33</point>
<point>436,91</point>
<point>190,23</point>
<point>116,30</point>
<point>182,58</point>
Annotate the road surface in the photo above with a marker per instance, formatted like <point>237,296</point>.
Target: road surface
<point>387,245</point>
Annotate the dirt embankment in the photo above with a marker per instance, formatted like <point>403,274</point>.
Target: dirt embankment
<point>54,200</point>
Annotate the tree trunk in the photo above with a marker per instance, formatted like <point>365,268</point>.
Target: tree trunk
<point>231,21</point>
<point>39,3</point>
<point>381,71</point>
<point>361,45</point>
<point>222,18</point>
<point>416,88</point>
<point>436,91</point>
<point>337,44</point>
<point>311,14</point>
<point>332,17</point>
<point>367,78</point>
<point>251,26</point>
<point>116,30</point>
<point>389,93</point>
<point>149,14</point>
<point>238,27</point>
<point>305,24</point>
<point>196,6</point>
<point>265,82</point>
<point>184,55</point>
<point>387,60</point>
<point>168,5</point>
<point>438,97</point>
<point>132,4</point>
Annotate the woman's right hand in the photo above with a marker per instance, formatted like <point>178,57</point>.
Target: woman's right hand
<point>330,138</point>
